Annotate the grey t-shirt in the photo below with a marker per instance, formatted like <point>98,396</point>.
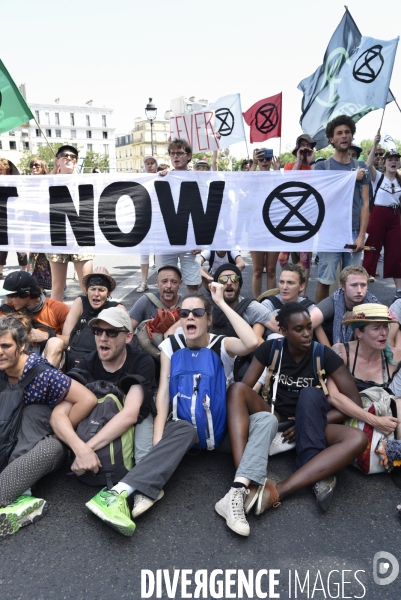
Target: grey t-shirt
<point>255,313</point>
<point>357,203</point>
<point>396,307</point>
<point>145,309</point>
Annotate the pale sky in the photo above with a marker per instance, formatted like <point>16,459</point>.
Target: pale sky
<point>120,53</point>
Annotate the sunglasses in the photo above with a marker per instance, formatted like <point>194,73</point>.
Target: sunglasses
<point>379,154</point>
<point>110,333</point>
<point>35,166</point>
<point>67,155</point>
<point>177,153</point>
<point>184,313</point>
<point>225,278</point>
<point>18,295</point>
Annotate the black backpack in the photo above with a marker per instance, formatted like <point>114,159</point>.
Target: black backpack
<point>230,260</point>
<point>305,303</point>
<point>82,340</point>
<point>11,406</point>
<point>117,457</point>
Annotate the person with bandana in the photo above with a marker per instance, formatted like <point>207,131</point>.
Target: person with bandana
<point>79,339</point>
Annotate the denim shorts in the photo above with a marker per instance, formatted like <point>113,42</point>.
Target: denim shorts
<point>328,263</point>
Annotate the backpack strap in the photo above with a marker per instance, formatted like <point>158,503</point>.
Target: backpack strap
<point>306,303</point>
<point>243,305</point>
<point>81,375</point>
<point>277,304</point>
<point>177,341</point>
<point>211,259</point>
<point>215,344</point>
<point>155,300</point>
<point>30,376</point>
<point>273,357</point>
<point>377,188</point>
<point>318,365</point>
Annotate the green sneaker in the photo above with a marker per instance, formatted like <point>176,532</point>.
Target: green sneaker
<point>113,509</point>
<point>24,511</point>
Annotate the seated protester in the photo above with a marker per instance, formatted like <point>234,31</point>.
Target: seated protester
<point>371,362</point>
<point>113,359</point>
<point>323,445</point>
<point>249,309</point>
<point>169,281</point>
<point>171,438</point>
<point>329,312</point>
<point>81,341</point>
<point>291,284</point>
<point>215,258</point>
<point>23,292</point>
<point>36,452</point>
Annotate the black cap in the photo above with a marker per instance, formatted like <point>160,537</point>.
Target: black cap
<point>18,281</point>
<point>228,267</point>
<point>173,267</point>
<point>67,147</point>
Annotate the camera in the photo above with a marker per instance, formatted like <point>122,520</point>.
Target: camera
<point>265,153</point>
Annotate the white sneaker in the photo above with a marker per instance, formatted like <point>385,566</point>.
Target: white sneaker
<point>278,445</point>
<point>231,508</point>
<point>143,503</point>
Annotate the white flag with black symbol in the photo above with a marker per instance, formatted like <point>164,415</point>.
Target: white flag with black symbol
<point>228,121</point>
<point>369,72</point>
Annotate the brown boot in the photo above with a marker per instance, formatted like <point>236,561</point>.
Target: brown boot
<point>267,497</point>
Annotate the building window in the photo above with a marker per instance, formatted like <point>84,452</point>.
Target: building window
<point>89,147</point>
<point>25,145</point>
<point>58,132</point>
<point>106,149</point>
<point>88,121</point>
<point>25,134</point>
<point>1,145</point>
<point>37,116</point>
<point>49,132</point>
<point>73,133</point>
<point>57,118</point>
<point>13,145</point>
<point>104,121</point>
<point>12,132</point>
<point>72,119</point>
<point>39,144</point>
<point>88,134</point>
<point>47,118</point>
<point>105,135</point>
<point>38,133</point>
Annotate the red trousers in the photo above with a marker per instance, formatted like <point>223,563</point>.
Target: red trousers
<point>384,229</point>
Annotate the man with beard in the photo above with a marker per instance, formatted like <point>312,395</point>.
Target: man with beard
<point>340,132</point>
<point>329,312</point>
<point>169,281</point>
<point>113,359</point>
<point>249,309</point>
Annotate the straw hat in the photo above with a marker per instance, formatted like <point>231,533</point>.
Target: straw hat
<point>102,275</point>
<point>369,313</point>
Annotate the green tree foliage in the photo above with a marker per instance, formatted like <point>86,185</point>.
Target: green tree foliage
<point>96,159</point>
<point>44,152</point>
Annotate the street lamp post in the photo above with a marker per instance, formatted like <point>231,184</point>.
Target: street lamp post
<point>151,113</point>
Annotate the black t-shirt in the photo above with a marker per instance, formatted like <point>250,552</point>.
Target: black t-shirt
<point>295,376</point>
<point>136,363</point>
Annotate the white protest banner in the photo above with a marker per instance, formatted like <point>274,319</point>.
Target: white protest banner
<point>200,128</point>
<point>141,213</point>
<point>197,128</point>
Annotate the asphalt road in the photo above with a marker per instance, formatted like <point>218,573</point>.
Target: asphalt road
<point>70,554</point>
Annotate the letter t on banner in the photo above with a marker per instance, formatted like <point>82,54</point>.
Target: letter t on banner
<point>264,118</point>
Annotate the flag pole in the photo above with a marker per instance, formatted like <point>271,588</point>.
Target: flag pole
<point>47,141</point>
<point>247,149</point>
<point>381,122</point>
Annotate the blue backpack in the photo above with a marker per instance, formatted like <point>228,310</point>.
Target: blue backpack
<point>198,389</point>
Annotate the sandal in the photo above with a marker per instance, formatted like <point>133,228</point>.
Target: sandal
<point>141,288</point>
<point>267,497</point>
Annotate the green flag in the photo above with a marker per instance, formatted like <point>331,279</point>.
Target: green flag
<point>14,111</point>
